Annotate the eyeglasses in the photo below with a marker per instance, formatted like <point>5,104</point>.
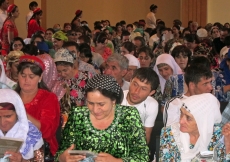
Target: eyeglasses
<point>17,45</point>
<point>73,34</point>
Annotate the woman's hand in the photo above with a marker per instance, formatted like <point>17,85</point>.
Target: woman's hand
<point>104,157</point>
<point>15,156</point>
<point>66,157</point>
<point>226,133</point>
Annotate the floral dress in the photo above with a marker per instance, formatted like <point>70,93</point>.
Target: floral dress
<point>106,54</point>
<point>219,83</point>
<point>124,138</point>
<point>174,86</point>
<point>169,150</point>
<point>77,88</point>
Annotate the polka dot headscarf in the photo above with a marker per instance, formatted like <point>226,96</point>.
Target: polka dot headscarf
<point>104,82</point>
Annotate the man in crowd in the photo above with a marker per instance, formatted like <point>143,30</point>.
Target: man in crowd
<point>117,65</point>
<point>143,84</point>
<point>198,81</point>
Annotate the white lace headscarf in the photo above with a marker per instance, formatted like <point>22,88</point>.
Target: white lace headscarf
<point>206,110</point>
<point>21,127</point>
<point>169,60</point>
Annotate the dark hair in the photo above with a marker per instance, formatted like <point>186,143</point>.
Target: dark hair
<point>147,51</point>
<point>177,22</point>
<point>129,46</point>
<point>124,33</point>
<point>7,105</point>
<point>86,28</point>
<point>87,53</point>
<point>129,25</point>
<point>162,23</point>
<point>36,36</point>
<point>33,4</point>
<point>185,51</point>
<point>227,41</point>
<point>84,45</point>
<point>201,61</point>
<point>141,39</point>
<point>39,32</point>
<point>108,22</point>
<point>122,22</point>
<point>113,96</point>
<point>34,15</point>
<point>192,38</point>
<point>35,69</point>
<point>70,43</point>
<point>98,27</point>
<point>185,29</point>
<point>100,37</point>
<point>85,38</point>
<point>153,7</point>
<point>63,63</point>
<point>118,24</point>
<point>147,75</point>
<point>2,1</point>
<point>31,49</point>
<point>66,24</point>
<point>219,25</point>
<point>50,29</point>
<point>80,30</point>
<point>17,39</point>
<point>195,73</point>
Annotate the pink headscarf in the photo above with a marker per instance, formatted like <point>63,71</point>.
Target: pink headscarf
<point>50,76</point>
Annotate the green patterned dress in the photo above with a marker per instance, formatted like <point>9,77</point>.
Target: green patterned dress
<point>124,138</point>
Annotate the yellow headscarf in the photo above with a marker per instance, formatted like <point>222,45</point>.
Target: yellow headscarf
<point>60,35</point>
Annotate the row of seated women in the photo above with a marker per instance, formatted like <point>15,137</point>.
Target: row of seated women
<point>113,132</point>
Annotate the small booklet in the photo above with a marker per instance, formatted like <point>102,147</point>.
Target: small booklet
<point>9,144</point>
<point>82,152</point>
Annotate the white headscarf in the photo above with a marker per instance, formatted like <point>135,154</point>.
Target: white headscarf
<point>133,61</point>
<point>206,110</point>
<point>169,60</point>
<point>21,127</point>
<point>4,79</point>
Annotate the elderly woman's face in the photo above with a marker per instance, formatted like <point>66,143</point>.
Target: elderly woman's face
<point>187,122</point>
<point>28,81</point>
<point>100,107</point>
<point>165,71</point>
<point>7,119</point>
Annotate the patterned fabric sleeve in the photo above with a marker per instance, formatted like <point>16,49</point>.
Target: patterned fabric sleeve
<point>167,92</point>
<point>137,141</point>
<point>168,148</point>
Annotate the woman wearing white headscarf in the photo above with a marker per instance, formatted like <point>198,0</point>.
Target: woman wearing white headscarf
<point>5,82</point>
<point>199,131</point>
<point>16,125</point>
<point>165,67</point>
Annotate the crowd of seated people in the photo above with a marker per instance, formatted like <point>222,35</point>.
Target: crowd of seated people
<point>105,90</point>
